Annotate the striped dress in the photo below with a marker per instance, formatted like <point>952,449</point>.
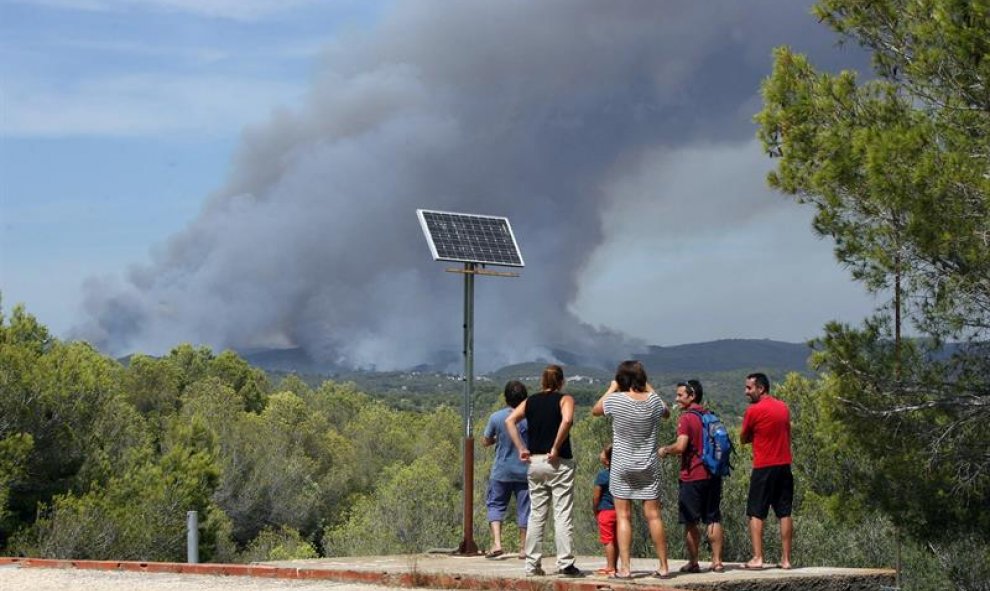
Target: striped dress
<point>635,471</point>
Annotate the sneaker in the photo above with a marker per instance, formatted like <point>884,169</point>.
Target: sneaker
<point>570,571</point>
<point>537,572</point>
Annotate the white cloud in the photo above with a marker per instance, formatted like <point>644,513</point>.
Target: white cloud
<point>715,254</point>
<point>196,54</point>
<point>140,105</point>
<point>206,54</point>
<point>241,10</point>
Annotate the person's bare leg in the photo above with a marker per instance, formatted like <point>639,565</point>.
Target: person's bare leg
<point>496,536</point>
<point>522,542</point>
<point>786,539</point>
<point>651,511</point>
<point>716,535</point>
<point>756,537</point>
<point>692,539</point>
<point>623,534</point>
<point>611,553</point>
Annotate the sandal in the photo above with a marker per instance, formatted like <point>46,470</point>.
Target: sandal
<point>690,568</point>
<point>718,568</point>
<point>605,571</point>
<point>494,554</point>
<point>661,575</point>
<point>621,577</point>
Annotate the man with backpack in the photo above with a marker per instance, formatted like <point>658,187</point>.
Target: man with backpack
<point>699,435</point>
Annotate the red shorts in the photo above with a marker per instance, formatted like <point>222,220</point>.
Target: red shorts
<point>606,526</point>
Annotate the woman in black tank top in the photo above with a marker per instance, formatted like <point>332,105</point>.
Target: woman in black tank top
<point>549,416</point>
<point>545,415</point>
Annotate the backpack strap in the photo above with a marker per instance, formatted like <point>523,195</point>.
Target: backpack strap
<point>701,418</point>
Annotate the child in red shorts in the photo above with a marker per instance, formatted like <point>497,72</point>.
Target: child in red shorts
<point>604,507</point>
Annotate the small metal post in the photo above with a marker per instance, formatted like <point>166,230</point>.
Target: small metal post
<point>192,537</point>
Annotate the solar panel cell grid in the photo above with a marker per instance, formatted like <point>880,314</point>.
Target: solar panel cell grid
<point>470,238</point>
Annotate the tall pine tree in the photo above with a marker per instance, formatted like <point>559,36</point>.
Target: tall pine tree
<point>898,170</point>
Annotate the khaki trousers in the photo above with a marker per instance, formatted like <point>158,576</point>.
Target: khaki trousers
<point>550,483</point>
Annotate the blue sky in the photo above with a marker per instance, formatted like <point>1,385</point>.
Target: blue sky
<point>119,117</point>
<point>183,170</point>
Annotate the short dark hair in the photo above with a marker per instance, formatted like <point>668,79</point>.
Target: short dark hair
<point>693,388</point>
<point>552,379</point>
<point>631,376</point>
<point>515,393</point>
<point>761,380</point>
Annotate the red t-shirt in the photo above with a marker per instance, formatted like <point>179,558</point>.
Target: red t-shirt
<point>768,424</point>
<point>689,424</point>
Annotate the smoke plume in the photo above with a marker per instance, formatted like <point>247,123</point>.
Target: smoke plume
<point>531,110</point>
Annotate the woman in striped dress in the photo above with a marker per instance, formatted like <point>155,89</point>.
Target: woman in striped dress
<point>636,411</point>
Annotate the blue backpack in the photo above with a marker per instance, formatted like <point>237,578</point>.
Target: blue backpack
<point>717,447</point>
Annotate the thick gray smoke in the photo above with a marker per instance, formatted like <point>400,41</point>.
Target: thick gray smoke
<point>525,109</point>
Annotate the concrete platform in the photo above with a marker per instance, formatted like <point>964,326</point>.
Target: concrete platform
<point>460,572</point>
<point>443,571</point>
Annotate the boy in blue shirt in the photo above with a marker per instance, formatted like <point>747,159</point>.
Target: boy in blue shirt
<point>508,475</point>
<point>604,507</point>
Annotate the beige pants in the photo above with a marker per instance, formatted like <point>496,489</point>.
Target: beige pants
<point>550,482</point>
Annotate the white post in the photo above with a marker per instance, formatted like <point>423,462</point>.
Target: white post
<point>192,537</point>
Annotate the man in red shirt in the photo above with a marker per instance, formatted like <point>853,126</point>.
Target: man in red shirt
<point>767,425</point>
<point>699,494</point>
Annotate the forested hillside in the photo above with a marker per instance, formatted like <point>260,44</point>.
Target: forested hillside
<point>721,365</point>
<point>102,460</point>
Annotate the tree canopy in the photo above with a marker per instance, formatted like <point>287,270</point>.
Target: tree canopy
<point>897,167</point>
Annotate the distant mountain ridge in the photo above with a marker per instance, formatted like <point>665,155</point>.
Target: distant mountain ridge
<point>694,358</point>
<point>727,355</point>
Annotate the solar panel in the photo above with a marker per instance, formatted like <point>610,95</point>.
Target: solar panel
<point>470,238</point>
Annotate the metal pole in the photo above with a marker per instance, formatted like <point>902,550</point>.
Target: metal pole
<point>468,547</point>
<point>192,537</point>
<point>468,347</point>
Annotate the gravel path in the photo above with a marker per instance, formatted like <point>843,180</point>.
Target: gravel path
<point>16,578</point>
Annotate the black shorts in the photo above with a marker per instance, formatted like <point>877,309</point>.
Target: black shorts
<point>699,500</point>
<point>772,486</point>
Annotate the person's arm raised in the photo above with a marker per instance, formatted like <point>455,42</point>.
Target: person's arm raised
<point>664,408</point>
<point>599,409</point>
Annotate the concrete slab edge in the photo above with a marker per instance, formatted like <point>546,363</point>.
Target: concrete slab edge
<point>411,579</point>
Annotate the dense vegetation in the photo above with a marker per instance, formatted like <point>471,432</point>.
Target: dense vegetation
<point>99,459</point>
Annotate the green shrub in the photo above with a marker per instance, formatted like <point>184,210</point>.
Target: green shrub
<point>283,543</point>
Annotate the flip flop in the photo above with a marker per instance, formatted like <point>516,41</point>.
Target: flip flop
<point>494,554</point>
<point>621,577</point>
<point>747,566</point>
<point>661,575</point>
<point>605,571</point>
<point>718,568</point>
<point>690,568</point>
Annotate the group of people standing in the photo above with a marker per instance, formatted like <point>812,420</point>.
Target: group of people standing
<point>535,463</point>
